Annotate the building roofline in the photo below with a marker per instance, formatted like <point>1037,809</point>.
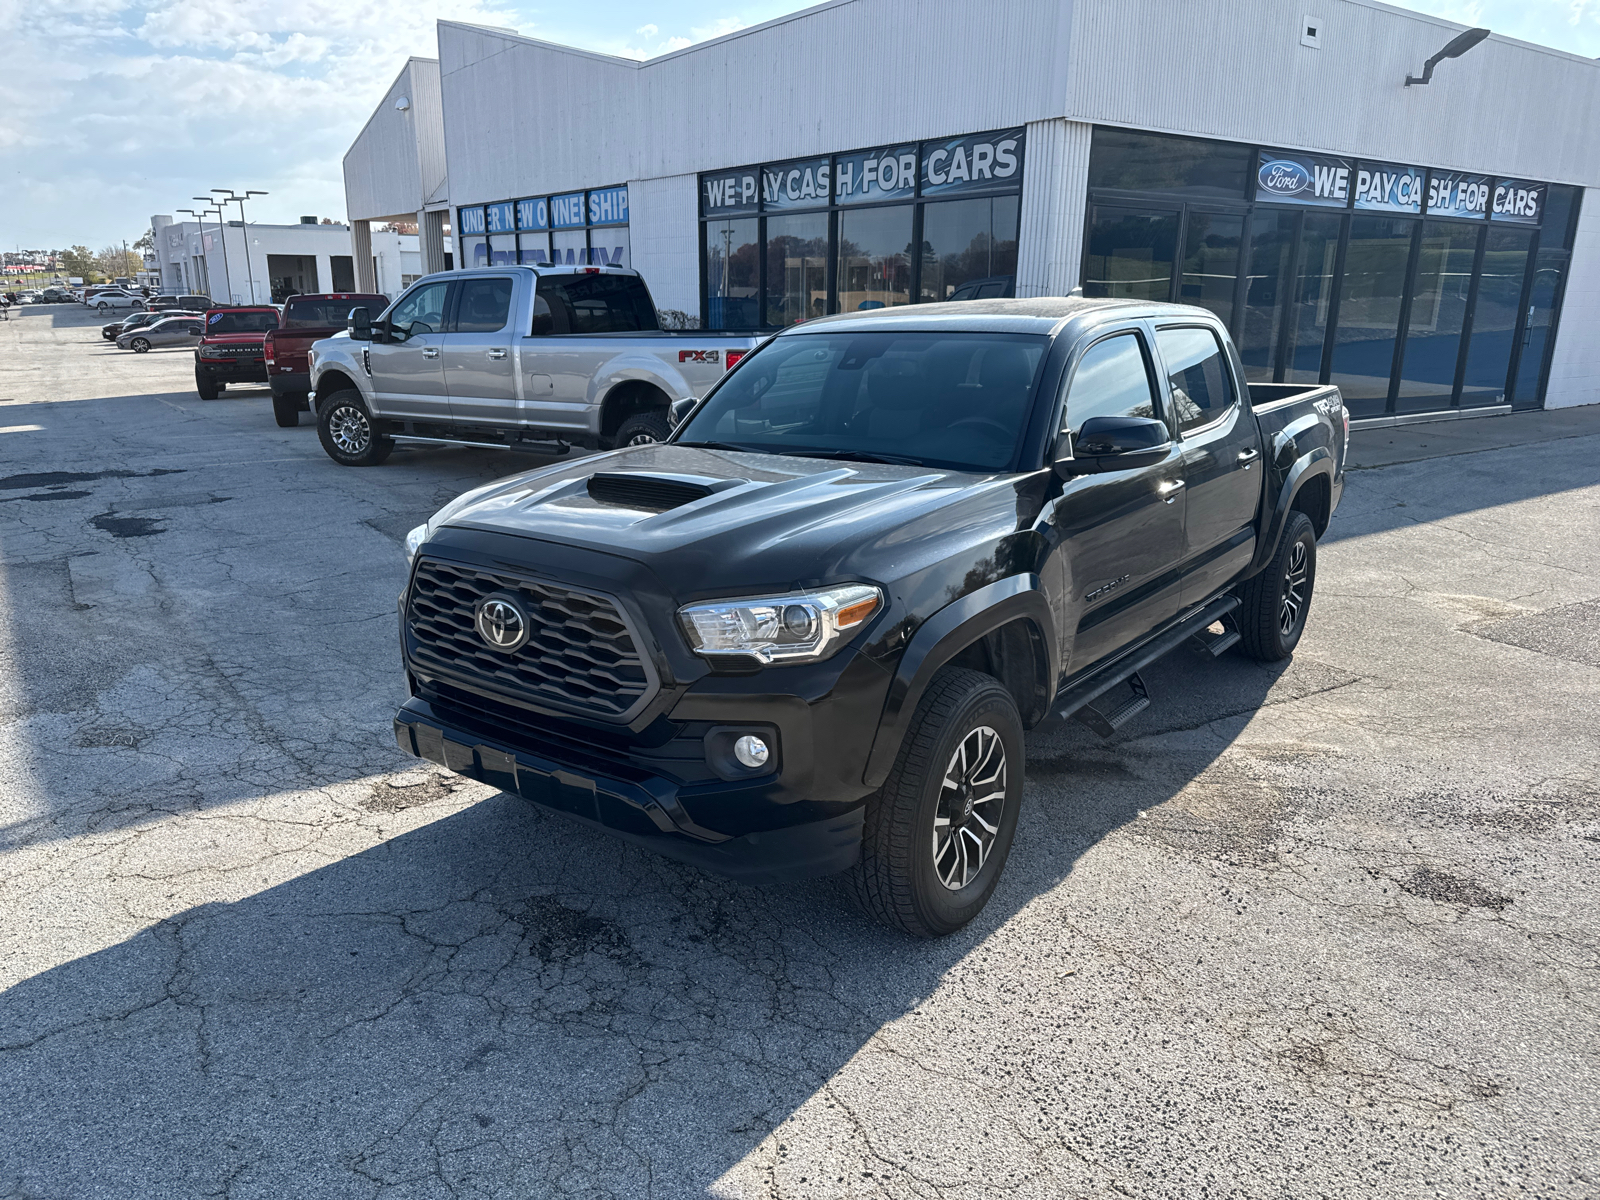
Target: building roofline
<point>377,108</point>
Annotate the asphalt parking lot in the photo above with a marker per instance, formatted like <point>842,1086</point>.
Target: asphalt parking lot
<point>1324,929</point>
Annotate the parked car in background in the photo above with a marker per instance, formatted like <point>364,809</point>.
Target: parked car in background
<point>807,634</point>
<point>115,329</point>
<point>181,330</point>
<point>995,287</point>
<point>512,357</point>
<point>189,303</point>
<point>106,301</point>
<point>306,319</point>
<point>57,295</point>
<point>230,349</point>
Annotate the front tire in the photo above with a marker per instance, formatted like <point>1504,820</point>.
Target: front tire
<point>642,430</point>
<point>347,431</point>
<point>139,345</point>
<point>939,831</point>
<point>1275,603</point>
<point>286,410</point>
<point>137,307</point>
<point>206,385</point>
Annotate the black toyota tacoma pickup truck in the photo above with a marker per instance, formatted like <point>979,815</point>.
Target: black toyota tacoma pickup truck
<point>808,632</point>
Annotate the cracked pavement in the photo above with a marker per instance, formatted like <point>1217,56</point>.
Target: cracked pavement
<point>1322,929</point>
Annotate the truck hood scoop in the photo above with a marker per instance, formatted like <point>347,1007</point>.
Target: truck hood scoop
<point>652,492</point>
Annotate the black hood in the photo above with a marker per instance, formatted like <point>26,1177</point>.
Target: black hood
<point>748,522</point>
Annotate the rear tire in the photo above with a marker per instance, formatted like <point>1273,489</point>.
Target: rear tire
<point>961,759</point>
<point>1274,604</point>
<point>103,307</point>
<point>286,410</point>
<point>345,428</point>
<point>643,429</point>
<point>206,385</point>
<point>137,307</point>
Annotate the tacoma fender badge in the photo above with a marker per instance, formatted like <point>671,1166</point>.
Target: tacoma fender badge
<point>1104,588</point>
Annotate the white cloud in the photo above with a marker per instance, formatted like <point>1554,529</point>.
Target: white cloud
<point>648,31</point>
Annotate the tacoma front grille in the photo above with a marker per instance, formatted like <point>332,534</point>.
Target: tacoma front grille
<point>580,655</point>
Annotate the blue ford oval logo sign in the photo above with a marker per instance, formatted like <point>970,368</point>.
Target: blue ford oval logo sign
<point>1283,177</point>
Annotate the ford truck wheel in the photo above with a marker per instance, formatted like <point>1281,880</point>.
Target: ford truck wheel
<point>643,430</point>
<point>347,432</point>
<point>206,384</point>
<point>939,831</point>
<point>1274,603</point>
<point>286,410</point>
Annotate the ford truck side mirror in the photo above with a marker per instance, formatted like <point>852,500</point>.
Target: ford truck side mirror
<point>1112,444</point>
<point>359,324</point>
<point>680,410</point>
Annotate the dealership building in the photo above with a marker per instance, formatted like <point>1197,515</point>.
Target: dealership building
<point>1431,247</point>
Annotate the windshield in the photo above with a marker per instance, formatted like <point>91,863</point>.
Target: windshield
<point>956,400</point>
<point>241,322</point>
<point>328,314</point>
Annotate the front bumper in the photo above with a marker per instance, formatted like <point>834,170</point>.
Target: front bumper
<point>234,370</point>
<point>637,806</point>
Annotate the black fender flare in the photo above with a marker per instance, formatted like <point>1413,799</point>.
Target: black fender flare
<point>944,635</point>
<point>1317,461</point>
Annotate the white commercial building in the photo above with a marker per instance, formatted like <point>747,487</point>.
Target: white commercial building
<point>1431,247</point>
<point>236,263</point>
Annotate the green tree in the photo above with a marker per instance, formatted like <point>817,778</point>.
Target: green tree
<point>116,263</point>
<point>78,261</point>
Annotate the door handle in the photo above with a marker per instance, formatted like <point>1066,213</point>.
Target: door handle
<point>497,353</point>
<point>1247,458</point>
<point>430,352</point>
<point>1170,488</point>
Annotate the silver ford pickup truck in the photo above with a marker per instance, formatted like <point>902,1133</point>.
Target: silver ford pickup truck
<point>512,358</point>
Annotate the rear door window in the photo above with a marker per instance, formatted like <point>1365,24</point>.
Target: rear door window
<point>483,305</point>
<point>1198,379</point>
<point>1112,380</point>
<point>598,303</point>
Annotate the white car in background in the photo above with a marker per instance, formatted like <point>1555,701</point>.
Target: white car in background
<point>105,301</point>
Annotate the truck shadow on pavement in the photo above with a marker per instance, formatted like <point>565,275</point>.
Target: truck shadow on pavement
<point>507,1003</point>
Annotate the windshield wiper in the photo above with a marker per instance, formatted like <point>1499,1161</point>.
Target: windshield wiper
<point>726,446</point>
<point>858,455</point>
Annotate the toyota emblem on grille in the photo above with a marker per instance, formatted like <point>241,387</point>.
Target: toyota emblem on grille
<point>501,622</point>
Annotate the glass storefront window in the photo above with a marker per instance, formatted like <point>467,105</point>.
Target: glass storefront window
<point>733,273</point>
<point>1438,314</point>
<point>1148,162</point>
<point>475,251</point>
<point>610,244</point>
<point>964,241</point>
<point>569,247</point>
<point>797,268</point>
<point>1130,253</point>
<point>1271,254</point>
<point>1548,268</point>
<point>1313,298</point>
<point>1369,311</point>
<point>874,258</point>
<point>1494,318</point>
<point>1211,262</point>
<point>502,249</point>
<point>533,248</point>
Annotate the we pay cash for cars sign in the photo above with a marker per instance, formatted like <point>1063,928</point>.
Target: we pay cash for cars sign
<point>1328,182</point>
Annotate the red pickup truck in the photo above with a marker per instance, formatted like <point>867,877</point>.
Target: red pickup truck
<point>230,349</point>
<point>306,319</point>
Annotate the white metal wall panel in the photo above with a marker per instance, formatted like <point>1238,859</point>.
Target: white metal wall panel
<point>384,167</point>
<point>1054,191</point>
<point>1235,69</point>
<point>665,239</point>
<point>1575,365</point>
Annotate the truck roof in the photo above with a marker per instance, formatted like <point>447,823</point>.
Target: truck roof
<point>469,272</point>
<point>1042,315</point>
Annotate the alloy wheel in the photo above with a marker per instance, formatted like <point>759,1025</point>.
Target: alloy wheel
<point>348,428</point>
<point>643,439</point>
<point>971,801</point>
<point>1294,591</point>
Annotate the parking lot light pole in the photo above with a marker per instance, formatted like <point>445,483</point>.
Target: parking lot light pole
<point>222,232</point>
<point>234,198</point>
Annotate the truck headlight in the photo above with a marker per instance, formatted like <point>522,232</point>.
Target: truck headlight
<point>414,541</point>
<point>803,627</point>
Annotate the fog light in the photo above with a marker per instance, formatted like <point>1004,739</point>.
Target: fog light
<point>751,751</point>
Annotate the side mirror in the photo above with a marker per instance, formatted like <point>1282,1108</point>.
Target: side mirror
<point>680,410</point>
<point>359,324</point>
<point>1112,444</point>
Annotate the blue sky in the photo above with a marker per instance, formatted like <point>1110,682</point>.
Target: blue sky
<point>111,110</point>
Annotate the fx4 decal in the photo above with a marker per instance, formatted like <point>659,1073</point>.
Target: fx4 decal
<point>705,356</point>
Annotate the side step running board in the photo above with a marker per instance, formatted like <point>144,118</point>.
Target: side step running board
<point>1105,724</point>
<point>526,447</point>
<point>1217,644</point>
<point>1081,696</point>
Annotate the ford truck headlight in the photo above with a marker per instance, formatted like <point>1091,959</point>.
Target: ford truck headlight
<point>803,627</point>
